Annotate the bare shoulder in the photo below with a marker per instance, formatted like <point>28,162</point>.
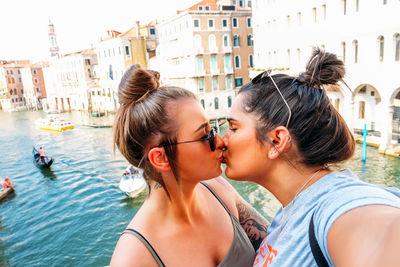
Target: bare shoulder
<point>252,222</point>
<point>225,191</point>
<point>131,252</point>
<point>355,234</point>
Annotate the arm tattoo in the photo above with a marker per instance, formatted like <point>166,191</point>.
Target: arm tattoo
<point>157,186</point>
<point>252,223</point>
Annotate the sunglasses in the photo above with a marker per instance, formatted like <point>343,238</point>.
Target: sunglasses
<point>210,137</point>
<point>261,78</point>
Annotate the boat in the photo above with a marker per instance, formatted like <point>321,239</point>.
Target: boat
<point>54,123</point>
<point>41,163</point>
<point>97,125</point>
<point>98,114</point>
<point>9,188</point>
<point>132,182</point>
<point>5,192</point>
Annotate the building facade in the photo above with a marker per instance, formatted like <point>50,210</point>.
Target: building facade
<point>73,75</point>
<point>362,33</point>
<point>115,53</point>
<point>197,51</point>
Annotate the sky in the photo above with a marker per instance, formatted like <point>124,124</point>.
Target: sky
<point>78,23</point>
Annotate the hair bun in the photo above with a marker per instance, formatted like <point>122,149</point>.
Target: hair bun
<point>136,84</point>
<point>323,68</point>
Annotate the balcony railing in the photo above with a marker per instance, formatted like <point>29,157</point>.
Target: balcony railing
<point>213,50</point>
<point>199,73</point>
<point>215,71</point>
<point>228,70</point>
<point>198,51</point>
<point>227,49</point>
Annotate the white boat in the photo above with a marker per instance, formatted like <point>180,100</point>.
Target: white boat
<point>54,123</point>
<point>132,182</point>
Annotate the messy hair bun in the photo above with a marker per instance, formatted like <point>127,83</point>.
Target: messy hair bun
<point>137,84</point>
<point>323,68</point>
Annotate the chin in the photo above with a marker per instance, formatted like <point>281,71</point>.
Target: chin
<point>230,174</point>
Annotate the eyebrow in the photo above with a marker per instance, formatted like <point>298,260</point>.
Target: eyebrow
<point>201,126</point>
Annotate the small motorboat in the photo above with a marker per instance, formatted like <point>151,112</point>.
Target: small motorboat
<point>132,182</point>
<point>44,162</point>
<point>6,191</point>
<point>97,125</point>
<point>54,123</point>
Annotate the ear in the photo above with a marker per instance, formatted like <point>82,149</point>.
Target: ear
<point>158,159</point>
<point>281,140</point>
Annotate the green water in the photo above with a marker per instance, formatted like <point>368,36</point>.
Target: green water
<point>72,214</point>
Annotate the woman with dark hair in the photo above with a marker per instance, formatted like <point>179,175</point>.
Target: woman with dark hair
<point>284,134</point>
<point>184,221</point>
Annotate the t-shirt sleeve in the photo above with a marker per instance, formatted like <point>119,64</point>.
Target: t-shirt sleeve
<point>343,199</point>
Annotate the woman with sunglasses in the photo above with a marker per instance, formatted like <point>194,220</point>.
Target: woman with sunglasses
<point>294,134</point>
<point>184,221</point>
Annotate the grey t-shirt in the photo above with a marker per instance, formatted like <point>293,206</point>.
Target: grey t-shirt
<point>287,241</point>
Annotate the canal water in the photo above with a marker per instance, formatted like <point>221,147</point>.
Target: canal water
<point>72,214</point>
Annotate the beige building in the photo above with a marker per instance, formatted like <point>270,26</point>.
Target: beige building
<point>117,52</point>
<point>204,49</point>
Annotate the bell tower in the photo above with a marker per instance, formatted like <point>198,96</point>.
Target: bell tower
<point>53,40</point>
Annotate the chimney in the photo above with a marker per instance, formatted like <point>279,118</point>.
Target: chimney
<point>138,28</point>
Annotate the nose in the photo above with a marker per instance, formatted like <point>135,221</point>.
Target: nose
<point>225,139</point>
<point>219,143</point>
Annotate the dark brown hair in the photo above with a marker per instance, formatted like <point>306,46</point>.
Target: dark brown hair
<point>145,118</point>
<point>320,133</point>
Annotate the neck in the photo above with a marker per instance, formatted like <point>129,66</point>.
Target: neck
<point>183,202</point>
<point>286,182</point>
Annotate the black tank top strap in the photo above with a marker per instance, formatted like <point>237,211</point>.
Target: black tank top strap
<point>217,197</point>
<point>146,243</point>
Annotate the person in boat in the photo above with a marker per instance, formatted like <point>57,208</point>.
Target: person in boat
<point>190,218</point>
<point>8,183</point>
<point>294,135</point>
<point>42,155</point>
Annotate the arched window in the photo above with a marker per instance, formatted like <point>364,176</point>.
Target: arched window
<point>381,45</point>
<point>229,101</point>
<point>237,62</point>
<point>15,91</point>
<point>249,40</point>
<point>226,40</point>
<point>344,52</point>
<point>212,42</point>
<point>197,41</point>
<point>355,46</point>
<point>251,63</point>
<point>216,103</point>
<point>202,103</point>
<point>397,47</point>
<point>236,40</point>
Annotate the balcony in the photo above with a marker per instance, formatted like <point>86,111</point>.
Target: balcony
<point>215,71</point>
<point>199,73</point>
<point>227,49</point>
<point>198,51</point>
<point>229,70</point>
<point>213,50</point>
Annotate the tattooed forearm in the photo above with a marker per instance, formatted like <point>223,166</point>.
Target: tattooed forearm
<point>253,223</point>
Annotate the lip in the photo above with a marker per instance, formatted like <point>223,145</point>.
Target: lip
<point>223,158</point>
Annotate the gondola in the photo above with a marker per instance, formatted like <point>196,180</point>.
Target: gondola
<point>41,163</point>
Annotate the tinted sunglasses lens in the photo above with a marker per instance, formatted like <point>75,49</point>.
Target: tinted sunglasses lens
<point>211,139</point>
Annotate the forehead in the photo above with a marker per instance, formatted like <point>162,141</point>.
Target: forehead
<point>190,115</point>
<point>236,111</point>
